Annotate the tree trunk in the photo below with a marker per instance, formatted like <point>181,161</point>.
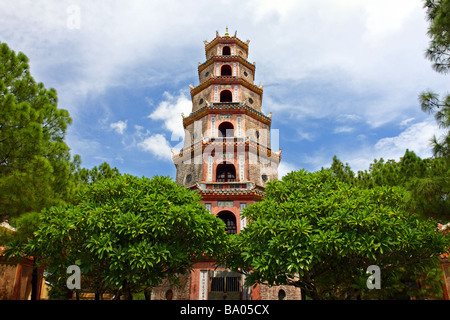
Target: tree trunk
<point>117,294</point>
<point>148,294</point>
<point>127,291</point>
<point>34,280</point>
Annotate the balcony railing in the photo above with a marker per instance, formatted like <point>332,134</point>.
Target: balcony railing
<point>226,185</point>
<point>226,139</point>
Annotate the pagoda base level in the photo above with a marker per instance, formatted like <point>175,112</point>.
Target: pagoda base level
<point>206,282</point>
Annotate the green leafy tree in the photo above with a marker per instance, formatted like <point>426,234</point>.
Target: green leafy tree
<point>438,14</point>
<point>103,171</point>
<point>34,159</point>
<point>431,193</point>
<point>441,110</point>
<point>319,234</point>
<point>426,181</point>
<point>438,52</point>
<point>127,235</point>
<point>342,172</point>
<point>83,177</point>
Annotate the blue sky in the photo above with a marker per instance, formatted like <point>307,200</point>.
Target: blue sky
<point>341,77</point>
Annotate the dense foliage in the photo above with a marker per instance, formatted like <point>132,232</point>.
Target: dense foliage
<point>34,159</point>
<point>317,233</point>
<point>438,14</point>
<point>127,234</point>
<point>426,181</point>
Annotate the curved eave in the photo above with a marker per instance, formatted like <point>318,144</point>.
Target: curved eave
<point>224,107</point>
<point>198,148</point>
<point>213,59</point>
<point>226,40</point>
<point>256,191</point>
<point>213,80</point>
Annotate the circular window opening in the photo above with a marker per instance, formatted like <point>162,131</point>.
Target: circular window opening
<point>245,73</point>
<point>281,294</point>
<point>206,74</point>
<point>188,178</point>
<point>201,101</point>
<point>250,100</point>
<point>264,177</point>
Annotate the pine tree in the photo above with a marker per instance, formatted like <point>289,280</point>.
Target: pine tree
<point>34,159</point>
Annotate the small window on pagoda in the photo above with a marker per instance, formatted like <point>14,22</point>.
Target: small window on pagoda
<point>225,70</point>
<point>226,129</point>
<point>226,51</point>
<point>230,221</point>
<point>226,96</point>
<point>225,173</point>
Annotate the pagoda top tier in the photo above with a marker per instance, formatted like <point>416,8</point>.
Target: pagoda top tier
<point>226,42</point>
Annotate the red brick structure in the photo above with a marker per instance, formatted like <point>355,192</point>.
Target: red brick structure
<point>16,275</point>
<point>227,157</point>
<point>445,264</point>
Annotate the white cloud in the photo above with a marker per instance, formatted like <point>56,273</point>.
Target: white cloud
<point>405,122</point>
<point>387,16</point>
<point>169,111</point>
<point>370,44</point>
<point>343,129</point>
<point>302,135</point>
<point>119,126</point>
<point>348,118</point>
<point>416,138</point>
<point>364,60</point>
<point>284,168</point>
<point>158,145</point>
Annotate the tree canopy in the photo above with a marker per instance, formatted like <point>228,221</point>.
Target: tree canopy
<point>126,234</point>
<point>438,15</point>
<point>320,234</point>
<point>426,181</point>
<point>34,159</point>
<point>438,52</point>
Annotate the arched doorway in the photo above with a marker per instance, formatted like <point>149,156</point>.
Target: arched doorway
<point>225,70</point>
<point>225,173</point>
<point>226,129</point>
<point>230,221</point>
<point>226,51</point>
<point>226,96</point>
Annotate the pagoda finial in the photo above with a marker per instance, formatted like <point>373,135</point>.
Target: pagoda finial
<point>226,33</point>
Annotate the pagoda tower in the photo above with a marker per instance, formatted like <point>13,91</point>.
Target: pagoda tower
<point>226,157</point>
